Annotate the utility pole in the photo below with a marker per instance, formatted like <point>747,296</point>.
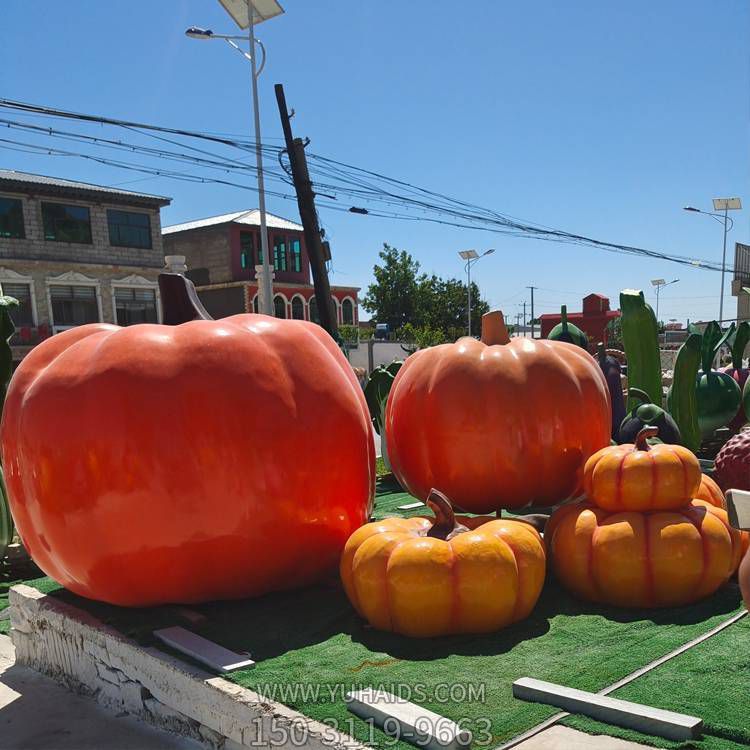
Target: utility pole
<point>295,148</point>
<point>524,318</point>
<point>532,309</point>
<point>518,323</point>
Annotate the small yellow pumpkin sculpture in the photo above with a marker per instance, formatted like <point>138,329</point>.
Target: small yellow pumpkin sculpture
<point>429,577</point>
<point>653,559</point>
<point>642,476</point>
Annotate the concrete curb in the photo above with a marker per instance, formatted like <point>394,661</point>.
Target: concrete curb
<point>90,658</point>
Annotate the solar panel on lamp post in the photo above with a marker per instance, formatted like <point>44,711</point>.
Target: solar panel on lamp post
<point>724,205</point>
<point>247,14</point>
<point>471,257</point>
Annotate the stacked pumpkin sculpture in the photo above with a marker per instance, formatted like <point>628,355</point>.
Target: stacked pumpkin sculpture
<point>640,539</point>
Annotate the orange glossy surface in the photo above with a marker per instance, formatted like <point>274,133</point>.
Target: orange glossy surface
<point>710,492</point>
<point>619,477</point>
<point>209,460</point>
<point>479,581</point>
<point>498,426</point>
<point>652,559</point>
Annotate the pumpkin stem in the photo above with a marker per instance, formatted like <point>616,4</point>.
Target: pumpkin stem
<point>179,300</point>
<point>644,434</point>
<point>445,518</point>
<point>494,330</point>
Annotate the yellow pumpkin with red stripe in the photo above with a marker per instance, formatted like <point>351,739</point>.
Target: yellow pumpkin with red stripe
<point>429,577</point>
<point>641,476</point>
<point>632,559</point>
<point>709,491</point>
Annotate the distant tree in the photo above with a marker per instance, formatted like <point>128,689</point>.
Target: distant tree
<point>401,295</point>
<point>393,298</point>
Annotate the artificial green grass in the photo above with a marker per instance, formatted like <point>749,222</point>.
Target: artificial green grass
<point>310,648</point>
<point>711,680</point>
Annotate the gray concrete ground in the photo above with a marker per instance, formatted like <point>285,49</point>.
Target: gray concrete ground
<point>564,738</point>
<point>38,714</point>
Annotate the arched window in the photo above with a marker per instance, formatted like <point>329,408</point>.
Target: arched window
<point>347,312</point>
<point>298,308</point>
<point>256,304</point>
<point>314,310</point>
<point>279,306</point>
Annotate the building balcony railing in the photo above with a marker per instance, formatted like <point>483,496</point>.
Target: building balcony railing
<point>30,335</point>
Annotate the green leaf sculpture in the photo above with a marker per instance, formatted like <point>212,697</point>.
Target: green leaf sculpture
<point>7,329</point>
<point>377,388</point>
<point>640,337</point>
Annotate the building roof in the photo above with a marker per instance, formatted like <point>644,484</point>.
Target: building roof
<point>250,217</point>
<point>582,316</point>
<point>27,181</point>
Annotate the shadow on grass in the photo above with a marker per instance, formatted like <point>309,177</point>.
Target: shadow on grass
<point>279,623</point>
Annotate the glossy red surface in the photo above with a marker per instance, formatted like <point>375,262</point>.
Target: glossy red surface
<point>497,426</point>
<point>210,460</point>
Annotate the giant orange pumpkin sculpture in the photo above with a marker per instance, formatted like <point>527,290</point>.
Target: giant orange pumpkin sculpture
<point>448,575</point>
<point>497,423</point>
<point>632,559</point>
<point>207,460</point>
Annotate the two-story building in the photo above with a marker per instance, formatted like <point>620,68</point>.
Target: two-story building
<point>221,253</point>
<point>75,253</point>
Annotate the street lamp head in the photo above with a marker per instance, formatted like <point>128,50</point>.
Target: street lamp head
<point>195,32</point>
<point>691,208</point>
<point>489,252</point>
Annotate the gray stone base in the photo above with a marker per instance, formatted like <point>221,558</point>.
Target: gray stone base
<point>93,659</point>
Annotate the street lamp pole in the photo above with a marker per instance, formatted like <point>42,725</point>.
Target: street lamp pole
<point>266,296</point>
<point>471,257</point>
<point>245,12</point>
<point>726,205</point>
<point>659,283</point>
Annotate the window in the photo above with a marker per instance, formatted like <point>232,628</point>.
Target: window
<point>64,223</point>
<point>73,305</point>
<point>279,254</point>
<point>135,306</point>
<point>11,219</point>
<point>298,308</point>
<point>347,312</point>
<point>314,310</point>
<point>129,229</point>
<point>23,315</point>
<point>279,306</point>
<point>296,252</point>
<point>256,303</point>
<point>247,250</point>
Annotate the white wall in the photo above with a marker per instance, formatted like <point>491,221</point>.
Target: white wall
<point>383,353</point>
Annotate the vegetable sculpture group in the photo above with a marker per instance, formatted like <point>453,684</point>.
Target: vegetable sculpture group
<point>182,463</point>
<point>640,539</point>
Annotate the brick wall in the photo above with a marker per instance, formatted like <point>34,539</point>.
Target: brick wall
<point>40,272</point>
<point>203,248</point>
<point>35,247</point>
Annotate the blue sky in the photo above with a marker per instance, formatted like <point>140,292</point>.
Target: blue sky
<point>599,118</point>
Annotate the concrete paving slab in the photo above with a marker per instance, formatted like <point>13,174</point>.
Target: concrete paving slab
<point>38,714</point>
<point>564,738</point>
